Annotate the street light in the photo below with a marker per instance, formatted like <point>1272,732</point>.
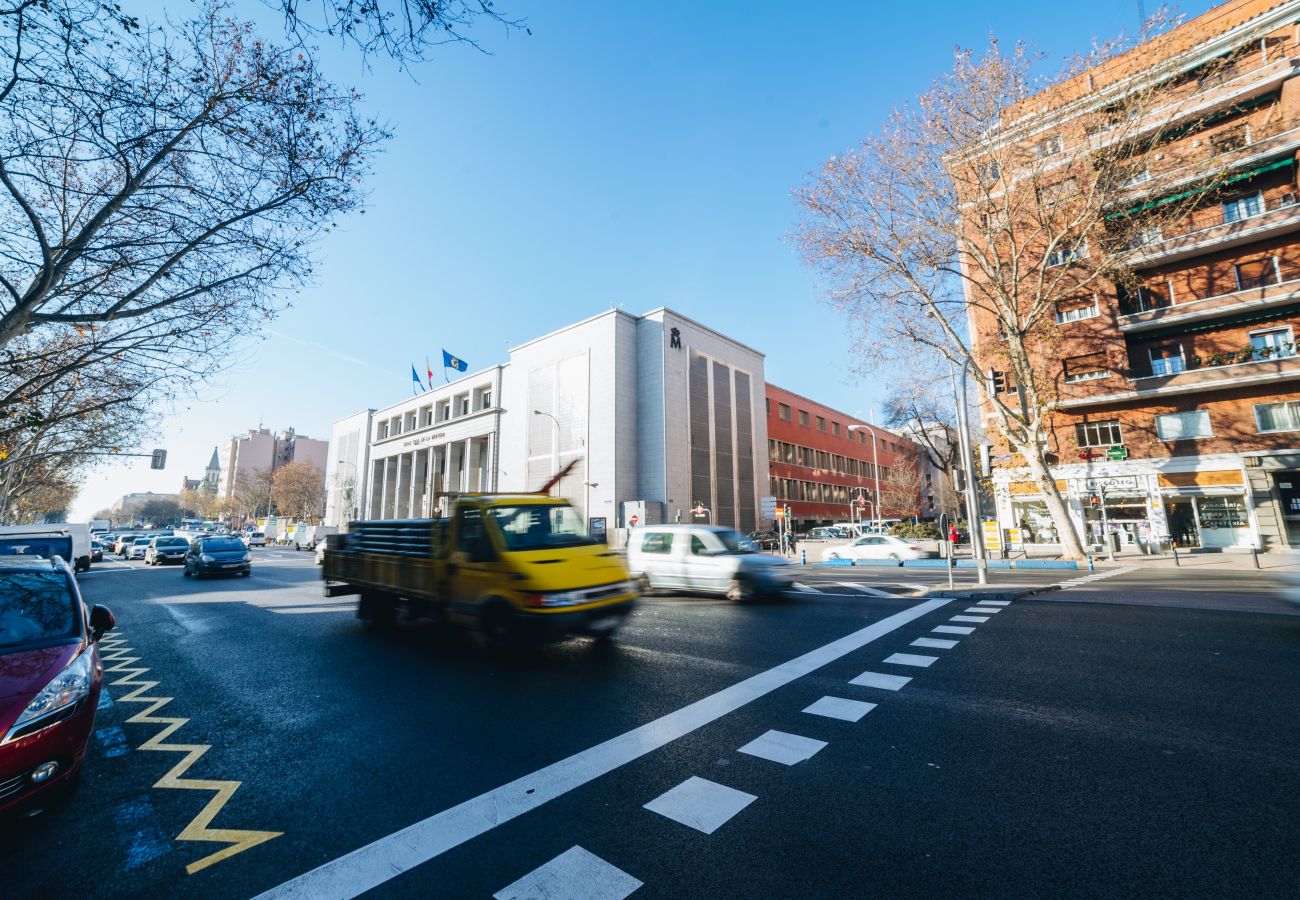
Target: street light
<point>875,465</point>
<point>555,447</point>
<point>356,485</point>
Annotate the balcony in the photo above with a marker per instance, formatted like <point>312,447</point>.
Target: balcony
<point>1244,368</point>
<point>1149,313</point>
<point>1284,217</point>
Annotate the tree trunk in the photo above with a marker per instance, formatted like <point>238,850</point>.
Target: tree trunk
<point>1071,545</point>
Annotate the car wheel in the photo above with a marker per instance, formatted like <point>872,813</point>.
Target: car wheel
<point>246,572</point>
<point>185,570</point>
<point>497,628</point>
<point>894,557</point>
<point>741,590</point>
<point>643,585</point>
<point>833,555</point>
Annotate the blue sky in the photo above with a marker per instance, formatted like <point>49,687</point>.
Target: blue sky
<point>622,154</point>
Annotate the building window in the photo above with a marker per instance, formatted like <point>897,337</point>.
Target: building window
<point>1147,234</point>
<point>1052,194</point>
<point>462,405</point>
<point>1272,342</point>
<point>483,398</point>
<point>1166,359</point>
<point>862,437</point>
<point>1243,207</point>
<point>381,431</point>
<point>1098,434</point>
<point>767,405</point>
<point>442,411</point>
<point>803,417</point>
<point>1066,314</point>
<point>1086,368</point>
<point>1256,273</point>
<point>835,429</point>
<point>426,416</point>
<point>1050,146</point>
<point>783,411</point>
<point>1184,425</point>
<point>1284,416</point>
<point>410,422</point>
<point>990,172</point>
<point>395,425</point>
<point>1066,253</point>
<point>821,423</point>
<point>1136,178</point>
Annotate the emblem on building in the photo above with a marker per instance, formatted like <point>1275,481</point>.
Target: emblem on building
<point>675,339</point>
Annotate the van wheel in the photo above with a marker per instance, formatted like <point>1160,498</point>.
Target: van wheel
<point>643,585</point>
<point>740,591</point>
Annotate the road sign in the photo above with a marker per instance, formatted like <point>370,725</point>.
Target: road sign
<point>767,507</point>
<point>159,460</point>
<point>1120,452</point>
<point>778,513</point>
<point>699,511</point>
<point>635,518</point>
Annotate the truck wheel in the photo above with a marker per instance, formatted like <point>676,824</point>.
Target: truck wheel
<point>497,627</point>
<point>379,611</point>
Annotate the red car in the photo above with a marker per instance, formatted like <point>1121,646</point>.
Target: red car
<point>50,677</point>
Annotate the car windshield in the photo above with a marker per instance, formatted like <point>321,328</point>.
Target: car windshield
<point>736,542</point>
<point>144,541</point>
<point>172,542</point>
<point>223,545</point>
<point>537,526</point>
<point>35,607</point>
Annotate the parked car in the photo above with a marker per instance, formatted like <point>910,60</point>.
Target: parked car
<point>826,533</point>
<point>96,551</point>
<point>218,555</point>
<point>51,676</point>
<point>138,548</point>
<point>878,546</point>
<point>706,558</point>
<point>254,538</point>
<point>766,540</point>
<point>164,550</point>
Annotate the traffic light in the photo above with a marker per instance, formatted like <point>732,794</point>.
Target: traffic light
<point>159,460</point>
<point>997,382</point>
<point>959,479</point>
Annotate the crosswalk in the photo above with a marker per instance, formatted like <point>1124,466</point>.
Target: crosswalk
<point>1095,576</point>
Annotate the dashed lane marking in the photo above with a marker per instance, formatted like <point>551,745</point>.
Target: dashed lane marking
<point>911,659</point>
<point>379,861</point>
<point>983,611</point>
<point>840,708</point>
<point>700,804</point>
<point>576,874</point>
<point>995,603</point>
<point>238,840</point>
<point>798,586</point>
<point>881,680</point>
<point>934,643</point>
<point>969,619</point>
<point>349,608</point>
<point>952,629</point>
<point>782,747</point>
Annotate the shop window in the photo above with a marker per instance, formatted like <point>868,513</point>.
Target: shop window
<point>1243,207</point>
<point>1098,434</point>
<point>1257,273</point>
<point>803,417</point>
<point>1182,426</point>
<point>1221,512</point>
<point>1284,416</point>
<point>783,411</point>
<point>1089,367</point>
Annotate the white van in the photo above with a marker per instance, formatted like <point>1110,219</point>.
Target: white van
<point>78,533</point>
<point>706,558</point>
<point>306,537</point>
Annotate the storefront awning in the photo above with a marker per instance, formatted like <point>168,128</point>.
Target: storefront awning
<point>1210,186</point>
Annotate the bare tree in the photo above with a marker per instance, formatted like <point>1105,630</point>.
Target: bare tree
<point>900,491</point>
<point>299,490</point>
<point>985,207</point>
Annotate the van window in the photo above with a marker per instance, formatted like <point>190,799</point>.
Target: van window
<point>657,542</point>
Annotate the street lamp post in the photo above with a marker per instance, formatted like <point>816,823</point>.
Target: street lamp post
<point>555,446</point>
<point>356,483</point>
<point>875,467</point>
<point>968,462</point>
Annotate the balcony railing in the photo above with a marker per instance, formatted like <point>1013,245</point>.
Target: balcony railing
<point>1279,217</point>
<point>1150,309</point>
<point>1246,368</point>
<point>1176,365</point>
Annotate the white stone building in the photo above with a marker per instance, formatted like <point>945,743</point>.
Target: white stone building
<point>659,415</point>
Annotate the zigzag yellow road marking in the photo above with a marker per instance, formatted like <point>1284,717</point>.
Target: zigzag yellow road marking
<point>111,650</point>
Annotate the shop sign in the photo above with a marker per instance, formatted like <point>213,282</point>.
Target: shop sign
<point>992,535</point>
<point>1120,452</point>
<point>1105,485</point>
<point>1090,454</point>
<point>1014,539</point>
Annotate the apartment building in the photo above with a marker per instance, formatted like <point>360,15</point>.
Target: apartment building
<point>827,466</point>
<point>1177,386</point>
<point>261,450</point>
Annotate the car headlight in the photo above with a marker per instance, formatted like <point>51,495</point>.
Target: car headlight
<point>69,686</point>
<point>245,558</point>
<point>207,559</point>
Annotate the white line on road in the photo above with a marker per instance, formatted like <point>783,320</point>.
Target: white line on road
<point>880,680</point>
<point>953,629</point>
<point>934,643</point>
<point>840,708</point>
<point>782,747</point>
<point>995,603</point>
<point>700,804</point>
<point>969,619</point>
<point>803,587</point>
<point>983,610</point>
<point>911,659</point>
<point>576,874</point>
<point>867,590</point>
<point>386,858</point>
<point>312,609</point>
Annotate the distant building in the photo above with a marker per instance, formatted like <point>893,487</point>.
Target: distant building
<point>190,484</point>
<point>260,450</point>
<point>129,504</point>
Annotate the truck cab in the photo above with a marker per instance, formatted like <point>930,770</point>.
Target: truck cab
<point>512,566</point>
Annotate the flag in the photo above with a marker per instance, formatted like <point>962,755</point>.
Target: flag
<point>451,362</point>
<point>428,370</point>
<point>419,386</point>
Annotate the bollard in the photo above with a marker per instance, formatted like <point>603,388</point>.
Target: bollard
<point>1254,556</point>
<point>803,555</point>
<point>1173,545</point>
<point>1091,567</point>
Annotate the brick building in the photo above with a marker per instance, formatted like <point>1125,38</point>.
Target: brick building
<point>821,460</point>
<point>1178,391</point>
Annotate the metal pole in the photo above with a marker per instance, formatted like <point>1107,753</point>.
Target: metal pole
<point>875,463</point>
<point>1105,525</point>
<point>972,508</point>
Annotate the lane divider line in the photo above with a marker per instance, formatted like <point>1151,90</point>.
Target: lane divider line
<point>384,859</point>
<point>238,840</point>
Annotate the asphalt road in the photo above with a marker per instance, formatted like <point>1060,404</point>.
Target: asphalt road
<point>1133,733</point>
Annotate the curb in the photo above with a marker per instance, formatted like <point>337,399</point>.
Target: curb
<point>975,594</point>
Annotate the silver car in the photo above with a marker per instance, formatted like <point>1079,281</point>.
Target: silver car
<point>137,548</point>
<point>707,558</point>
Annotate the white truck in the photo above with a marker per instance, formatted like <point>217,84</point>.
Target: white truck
<point>306,537</point>
<point>61,535</point>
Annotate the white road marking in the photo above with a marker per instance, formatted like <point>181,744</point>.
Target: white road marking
<point>840,708</point>
<point>911,659</point>
<point>782,747</point>
<point>983,610</point>
<point>866,590</point>
<point>969,619</point>
<point>880,680</point>
<point>935,643</point>
<point>386,858</point>
<point>700,804</point>
<point>953,629</point>
<point>995,603</point>
<point>575,874</point>
<point>803,587</point>
<point>1097,576</point>
<point>312,609</point>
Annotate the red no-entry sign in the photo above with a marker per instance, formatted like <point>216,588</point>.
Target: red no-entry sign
<point>635,518</point>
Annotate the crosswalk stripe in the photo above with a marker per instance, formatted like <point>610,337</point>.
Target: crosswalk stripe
<point>866,590</point>
<point>798,586</point>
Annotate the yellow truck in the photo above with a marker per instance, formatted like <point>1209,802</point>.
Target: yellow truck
<point>515,567</point>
